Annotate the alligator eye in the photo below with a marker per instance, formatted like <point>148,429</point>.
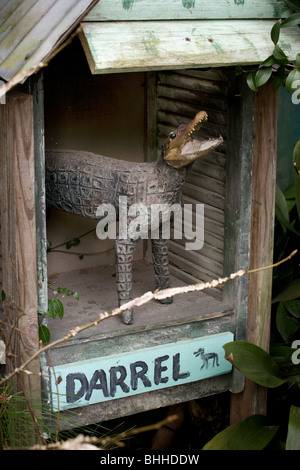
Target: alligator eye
<point>172,135</point>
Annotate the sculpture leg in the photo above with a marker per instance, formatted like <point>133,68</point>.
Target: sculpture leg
<point>124,259</point>
<point>161,266</point>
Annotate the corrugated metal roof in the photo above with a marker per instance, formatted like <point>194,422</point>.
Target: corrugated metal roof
<point>31,29</point>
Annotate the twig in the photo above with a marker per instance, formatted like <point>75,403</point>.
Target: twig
<point>133,432</point>
<point>79,236</point>
<point>82,442</point>
<point>34,418</point>
<point>145,298</point>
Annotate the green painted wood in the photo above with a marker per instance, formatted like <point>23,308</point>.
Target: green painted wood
<point>180,95</point>
<point>238,204</point>
<point>129,10</point>
<point>144,46</point>
<point>37,90</point>
<point>140,371</point>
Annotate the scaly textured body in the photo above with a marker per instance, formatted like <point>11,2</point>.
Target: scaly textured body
<point>79,182</point>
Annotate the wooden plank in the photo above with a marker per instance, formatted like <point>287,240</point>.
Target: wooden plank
<point>214,233</point>
<point>212,212</point>
<point>209,250</point>
<point>209,257</point>
<point>185,91</point>
<point>205,168</point>
<point>216,185</point>
<point>253,399</point>
<point>130,10</point>
<point>37,85</point>
<point>192,96</point>
<point>191,315</point>
<point>158,45</point>
<point>238,203</point>
<point>97,293</point>
<point>206,197</point>
<point>31,34</point>
<point>177,106</point>
<point>207,129</point>
<point>142,371</point>
<point>19,242</point>
<point>194,82</point>
<point>190,279</point>
<point>202,273</point>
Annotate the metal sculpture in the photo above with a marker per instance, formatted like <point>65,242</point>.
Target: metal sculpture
<point>79,182</point>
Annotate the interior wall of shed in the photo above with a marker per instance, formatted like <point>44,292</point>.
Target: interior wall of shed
<point>97,113</point>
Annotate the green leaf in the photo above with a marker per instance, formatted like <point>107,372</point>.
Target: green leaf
<point>268,62</point>
<point>280,55</point>
<point>282,211</point>
<point>2,297</point>
<point>76,295</point>
<point>55,307</point>
<point>292,20</point>
<point>262,75</point>
<point>298,60</point>
<point>251,434</point>
<point>296,161</point>
<point>293,306</point>
<point>289,193</point>
<point>293,436</point>
<point>289,292</point>
<point>73,242</point>
<point>275,31</point>
<point>65,292</point>
<point>254,363</point>
<point>290,80</point>
<point>281,355</point>
<point>251,81</point>
<point>286,324</point>
<point>220,440</point>
<point>281,208</point>
<point>277,82</point>
<point>44,334</point>
<point>292,4</point>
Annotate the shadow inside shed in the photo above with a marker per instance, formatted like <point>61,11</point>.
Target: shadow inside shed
<point>128,116</point>
<point>107,114</point>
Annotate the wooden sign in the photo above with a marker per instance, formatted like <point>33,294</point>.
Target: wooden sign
<point>144,370</point>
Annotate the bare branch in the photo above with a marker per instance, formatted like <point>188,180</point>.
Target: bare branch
<point>145,298</point>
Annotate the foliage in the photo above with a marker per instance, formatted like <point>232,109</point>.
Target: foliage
<point>278,369</point>
<point>16,422</point>
<point>55,306</point>
<point>55,309</point>
<point>253,433</point>
<point>278,65</point>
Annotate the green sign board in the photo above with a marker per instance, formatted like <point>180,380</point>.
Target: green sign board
<point>143,370</point>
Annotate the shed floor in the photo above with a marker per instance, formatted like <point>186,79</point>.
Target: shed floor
<point>97,293</point>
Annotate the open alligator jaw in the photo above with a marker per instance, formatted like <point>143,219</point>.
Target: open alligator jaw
<point>181,149</point>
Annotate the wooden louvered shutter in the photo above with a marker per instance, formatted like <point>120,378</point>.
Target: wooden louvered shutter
<point>180,95</point>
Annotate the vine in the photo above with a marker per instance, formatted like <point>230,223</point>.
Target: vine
<point>278,65</point>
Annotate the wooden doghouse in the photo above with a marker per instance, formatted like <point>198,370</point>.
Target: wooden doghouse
<point>146,75</point>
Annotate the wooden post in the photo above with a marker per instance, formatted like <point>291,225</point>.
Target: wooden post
<point>18,231</point>
<point>253,400</point>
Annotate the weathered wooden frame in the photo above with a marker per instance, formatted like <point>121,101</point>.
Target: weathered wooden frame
<point>247,117</point>
<point>250,162</point>
<point>237,255</point>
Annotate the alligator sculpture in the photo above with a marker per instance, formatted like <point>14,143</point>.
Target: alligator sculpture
<point>79,182</point>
